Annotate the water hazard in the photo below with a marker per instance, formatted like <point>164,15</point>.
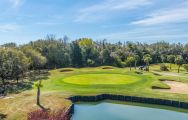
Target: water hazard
<point>114,111</point>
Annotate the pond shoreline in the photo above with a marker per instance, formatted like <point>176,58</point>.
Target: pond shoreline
<point>101,97</point>
<point>156,101</point>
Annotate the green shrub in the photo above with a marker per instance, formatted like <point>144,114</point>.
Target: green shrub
<point>90,62</point>
<point>185,66</point>
<point>163,67</point>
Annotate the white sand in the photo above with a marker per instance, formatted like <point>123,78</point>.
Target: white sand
<point>176,87</point>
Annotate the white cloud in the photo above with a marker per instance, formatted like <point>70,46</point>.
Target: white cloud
<point>8,27</point>
<point>151,34</point>
<point>16,3</point>
<point>98,11</point>
<point>176,14</point>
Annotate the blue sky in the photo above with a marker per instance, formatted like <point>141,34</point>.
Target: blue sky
<point>116,20</point>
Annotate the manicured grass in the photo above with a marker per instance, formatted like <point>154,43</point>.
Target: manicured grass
<point>62,82</point>
<point>95,79</point>
<point>91,81</point>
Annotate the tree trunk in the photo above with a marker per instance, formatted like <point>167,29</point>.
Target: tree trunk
<point>135,65</point>
<point>22,77</point>
<point>17,80</point>
<point>179,69</point>
<point>148,67</point>
<point>3,81</point>
<point>130,67</point>
<point>170,66</point>
<point>38,93</point>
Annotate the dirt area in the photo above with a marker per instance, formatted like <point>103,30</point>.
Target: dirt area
<point>176,87</point>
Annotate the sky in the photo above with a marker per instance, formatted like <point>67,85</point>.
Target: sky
<point>147,21</point>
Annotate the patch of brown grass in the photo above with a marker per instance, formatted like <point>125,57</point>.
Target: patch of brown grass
<point>18,107</point>
<point>61,114</point>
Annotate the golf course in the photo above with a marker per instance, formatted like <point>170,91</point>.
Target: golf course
<point>93,60</point>
<point>65,82</point>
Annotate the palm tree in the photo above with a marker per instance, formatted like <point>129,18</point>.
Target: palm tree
<point>38,85</point>
<point>147,60</point>
<point>171,59</point>
<point>179,61</point>
<point>136,59</point>
<point>129,61</point>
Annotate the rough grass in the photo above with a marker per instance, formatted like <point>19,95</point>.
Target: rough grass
<point>156,67</point>
<point>55,89</point>
<point>160,85</point>
<point>17,107</point>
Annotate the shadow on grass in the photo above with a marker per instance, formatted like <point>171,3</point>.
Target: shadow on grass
<point>13,87</point>
<point>156,74</point>
<point>42,75</point>
<point>43,108</point>
<point>17,88</point>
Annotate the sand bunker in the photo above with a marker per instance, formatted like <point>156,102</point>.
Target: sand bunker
<point>66,70</point>
<point>108,67</point>
<point>176,87</point>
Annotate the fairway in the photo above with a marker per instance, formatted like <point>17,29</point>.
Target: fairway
<point>96,79</point>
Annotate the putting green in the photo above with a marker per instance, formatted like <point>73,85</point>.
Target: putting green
<point>96,79</point>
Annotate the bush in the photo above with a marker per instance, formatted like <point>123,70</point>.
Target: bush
<point>90,62</point>
<point>185,67</point>
<point>146,69</point>
<point>118,63</point>
<point>163,67</point>
<point>47,115</point>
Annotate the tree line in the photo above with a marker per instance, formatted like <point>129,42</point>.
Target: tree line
<point>16,63</point>
<point>51,53</point>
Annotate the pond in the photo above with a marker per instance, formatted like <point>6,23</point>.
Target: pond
<point>127,111</point>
